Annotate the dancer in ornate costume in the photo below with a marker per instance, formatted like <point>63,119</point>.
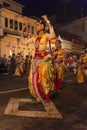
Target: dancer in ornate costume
<point>80,74</point>
<point>85,61</point>
<point>59,61</point>
<point>40,76</point>
<point>82,67</point>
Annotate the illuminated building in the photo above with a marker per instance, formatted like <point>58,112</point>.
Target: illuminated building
<point>11,23</point>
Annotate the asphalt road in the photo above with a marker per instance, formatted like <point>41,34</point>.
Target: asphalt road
<point>19,111</point>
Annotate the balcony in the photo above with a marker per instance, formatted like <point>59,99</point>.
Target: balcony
<point>13,32</point>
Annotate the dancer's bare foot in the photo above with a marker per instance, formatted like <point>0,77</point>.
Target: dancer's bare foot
<point>47,103</point>
<point>38,100</point>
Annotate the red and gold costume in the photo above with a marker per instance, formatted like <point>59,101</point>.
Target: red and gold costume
<point>80,75</point>
<point>58,62</point>
<point>82,68</point>
<point>40,75</point>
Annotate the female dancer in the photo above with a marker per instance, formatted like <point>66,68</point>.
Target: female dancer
<point>40,76</point>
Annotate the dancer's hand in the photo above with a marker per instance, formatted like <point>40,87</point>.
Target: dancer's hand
<point>45,18</point>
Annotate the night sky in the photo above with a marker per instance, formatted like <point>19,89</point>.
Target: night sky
<point>51,7</point>
<point>39,7</point>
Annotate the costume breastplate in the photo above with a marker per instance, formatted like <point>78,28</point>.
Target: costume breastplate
<point>40,42</point>
<point>40,45</point>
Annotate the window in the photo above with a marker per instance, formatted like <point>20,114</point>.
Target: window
<point>6,22</point>
<point>16,25</point>
<point>32,29</point>
<point>6,4</point>
<point>11,23</point>
<point>28,30</point>
<point>20,26</point>
<point>28,26</point>
<point>25,28</point>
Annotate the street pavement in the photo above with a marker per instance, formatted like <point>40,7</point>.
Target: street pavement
<point>65,111</point>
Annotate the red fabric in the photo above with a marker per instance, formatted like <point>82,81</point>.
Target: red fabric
<point>47,96</point>
<point>38,39</point>
<point>58,84</point>
<point>40,54</point>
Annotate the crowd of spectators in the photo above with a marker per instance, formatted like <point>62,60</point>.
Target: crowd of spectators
<point>15,65</point>
<point>18,65</point>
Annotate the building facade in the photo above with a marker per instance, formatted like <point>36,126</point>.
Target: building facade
<point>11,23</point>
<point>77,27</point>
<point>76,32</point>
